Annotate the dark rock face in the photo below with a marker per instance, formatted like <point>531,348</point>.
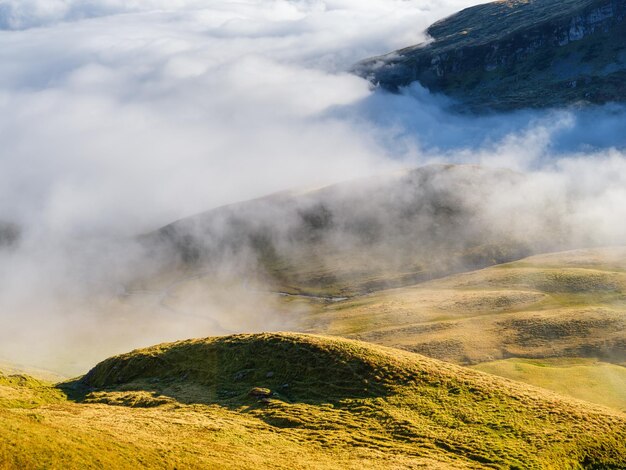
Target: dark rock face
<point>517,54</point>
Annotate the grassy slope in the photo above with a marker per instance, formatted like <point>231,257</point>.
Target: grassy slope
<point>23,391</point>
<point>336,403</point>
<point>11,368</point>
<point>586,379</point>
<point>568,304</point>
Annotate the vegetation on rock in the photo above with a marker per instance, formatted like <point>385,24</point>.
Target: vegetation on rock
<point>514,54</point>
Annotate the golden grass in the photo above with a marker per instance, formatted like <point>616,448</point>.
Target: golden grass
<point>587,379</point>
<point>343,404</point>
<point>11,368</point>
<point>570,304</point>
<point>528,308</point>
<point>336,404</point>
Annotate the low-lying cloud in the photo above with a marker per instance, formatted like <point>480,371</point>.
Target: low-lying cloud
<point>117,117</point>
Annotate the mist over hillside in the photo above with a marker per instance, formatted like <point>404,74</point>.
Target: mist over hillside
<point>118,118</point>
<point>229,249</point>
<point>392,230</point>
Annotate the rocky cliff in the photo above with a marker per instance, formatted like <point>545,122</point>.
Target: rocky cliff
<point>515,54</point>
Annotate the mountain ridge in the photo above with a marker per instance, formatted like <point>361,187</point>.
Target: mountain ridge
<point>508,55</point>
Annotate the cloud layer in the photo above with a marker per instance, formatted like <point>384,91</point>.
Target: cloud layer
<point>117,117</point>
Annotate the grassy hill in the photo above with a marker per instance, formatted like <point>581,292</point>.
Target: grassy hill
<point>553,305</point>
<point>566,305</point>
<point>279,400</point>
<point>559,305</point>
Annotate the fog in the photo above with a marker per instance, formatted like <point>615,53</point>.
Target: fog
<point>119,117</point>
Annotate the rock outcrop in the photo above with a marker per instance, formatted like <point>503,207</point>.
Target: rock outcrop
<point>517,54</point>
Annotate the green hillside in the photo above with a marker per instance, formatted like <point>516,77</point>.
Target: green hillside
<point>349,238</point>
<point>586,379</point>
<point>286,400</point>
<point>561,306</point>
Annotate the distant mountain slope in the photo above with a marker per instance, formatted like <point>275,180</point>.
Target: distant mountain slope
<point>11,368</point>
<point>366,235</point>
<point>557,305</point>
<point>288,400</point>
<point>517,53</point>
<point>538,320</point>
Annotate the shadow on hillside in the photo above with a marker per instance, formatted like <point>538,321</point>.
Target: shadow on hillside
<point>238,372</point>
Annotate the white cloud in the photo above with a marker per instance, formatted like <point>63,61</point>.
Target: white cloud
<point>152,110</point>
<point>118,116</point>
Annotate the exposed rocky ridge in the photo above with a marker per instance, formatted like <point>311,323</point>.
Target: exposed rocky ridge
<point>515,54</point>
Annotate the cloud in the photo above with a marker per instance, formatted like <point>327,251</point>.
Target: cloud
<point>117,117</point>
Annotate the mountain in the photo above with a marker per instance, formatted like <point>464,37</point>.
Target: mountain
<point>284,400</point>
<point>516,54</point>
<point>366,235</point>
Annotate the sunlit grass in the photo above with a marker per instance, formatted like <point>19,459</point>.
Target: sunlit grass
<point>587,379</point>
<point>335,404</point>
<point>549,306</point>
